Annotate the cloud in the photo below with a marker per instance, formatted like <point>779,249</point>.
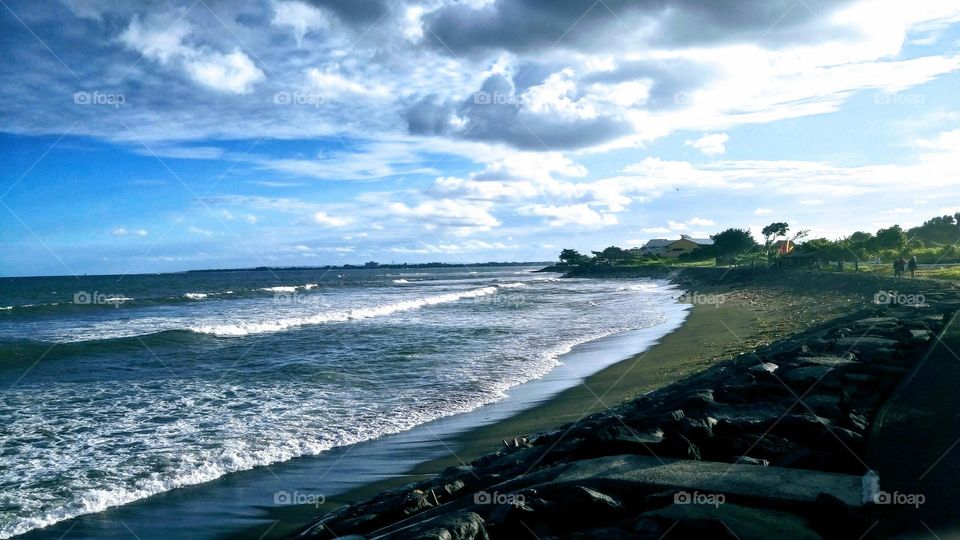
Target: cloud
<point>327,220</point>
<point>762,212</point>
<point>122,231</point>
<point>688,224</point>
<point>234,72</point>
<point>711,145</point>
<point>578,214</point>
<point>162,41</point>
<point>199,231</point>
<point>463,217</point>
<point>300,18</point>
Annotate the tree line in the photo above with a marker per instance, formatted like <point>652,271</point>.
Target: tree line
<point>936,240</point>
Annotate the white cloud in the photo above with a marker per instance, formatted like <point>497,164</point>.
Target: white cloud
<point>463,217</point>
<point>688,224</point>
<point>234,73</point>
<point>712,144</point>
<point>299,17</point>
<point>161,40</point>
<point>578,214</point>
<point>123,231</point>
<point>329,221</point>
<point>762,211</point>
<point>199,231</point>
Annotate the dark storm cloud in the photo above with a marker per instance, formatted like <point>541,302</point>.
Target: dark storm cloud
<point>354,11</point>
<point>527,25</point>
<point>495,114</point>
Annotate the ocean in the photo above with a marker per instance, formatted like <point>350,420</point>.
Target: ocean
<point>124,390</point>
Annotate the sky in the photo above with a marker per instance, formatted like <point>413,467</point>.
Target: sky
<point>164,136</point>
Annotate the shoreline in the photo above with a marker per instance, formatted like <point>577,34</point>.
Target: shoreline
<point>607,476</point>
<point>709,334</point>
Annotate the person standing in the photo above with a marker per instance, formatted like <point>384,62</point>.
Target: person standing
<point>912,266</point>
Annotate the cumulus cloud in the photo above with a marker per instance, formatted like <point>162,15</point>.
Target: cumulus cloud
<point>161,38</point>
<point>577,214</point>
<point>327,220</point>
<point>711,145</point>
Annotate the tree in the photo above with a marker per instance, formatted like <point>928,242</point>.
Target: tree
<point>771,232</point>
<point>732,242</point>
<point>612,254</point>
<point>939,230</point>
<point>572,256</point>
<point>890,238</point>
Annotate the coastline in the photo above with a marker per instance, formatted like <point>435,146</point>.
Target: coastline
<point>808,478</point>
<point>746,318</point>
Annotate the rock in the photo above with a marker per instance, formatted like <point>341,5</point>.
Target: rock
<point>747,460</point>
<point>865,343</point>
<point>458,526</point>
<point>699,399</point>
<point>826,361</point>
<point>453,487</point>
<point>764,367</point>
<point>698,428</point>
<point>417,501</point>
<point>856,422</point>
<point>729,521</point>
<point>834,519</point>
<point>809,374</point>
<point>583,499</point>
<point>875,321</point>
<point>826,405</point>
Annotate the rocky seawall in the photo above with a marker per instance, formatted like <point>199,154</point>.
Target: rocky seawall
<point>772,440</point>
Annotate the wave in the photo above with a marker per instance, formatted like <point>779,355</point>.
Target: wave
<point>245,329</point>
<point>289,288</point>
<point>195,295</point>
<point>400,281</point>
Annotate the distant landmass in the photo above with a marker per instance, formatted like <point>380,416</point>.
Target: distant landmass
<point>373,265</point>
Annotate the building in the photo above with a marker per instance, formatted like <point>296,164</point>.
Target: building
<point>674,248</point>
<point>657,246</point>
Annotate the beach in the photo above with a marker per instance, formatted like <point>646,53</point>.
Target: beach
<point>745,312</point>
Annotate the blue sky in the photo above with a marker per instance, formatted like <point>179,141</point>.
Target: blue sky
<point>164,136</point>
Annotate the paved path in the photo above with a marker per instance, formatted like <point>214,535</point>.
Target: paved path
<point>915,447</point>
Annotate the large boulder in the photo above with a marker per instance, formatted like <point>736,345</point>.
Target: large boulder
<point>458,526</point>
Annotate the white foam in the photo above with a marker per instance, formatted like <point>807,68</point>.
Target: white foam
<point>287,288</point>
<point>401,281</point>
<point>245,329</point>
<point>6,308</point>
<point>512,285</point>
<point>195,295</point>
<point>282,288</point>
